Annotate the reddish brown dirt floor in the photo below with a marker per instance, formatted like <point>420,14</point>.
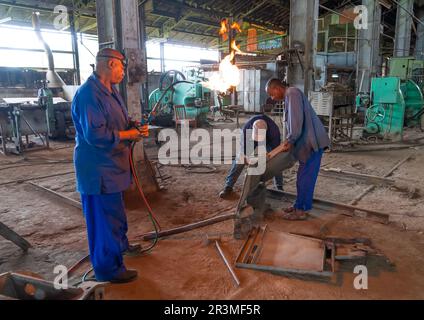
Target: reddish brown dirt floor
<point>182,267</point>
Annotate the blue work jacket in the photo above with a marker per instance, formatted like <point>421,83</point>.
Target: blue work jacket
<point>304,130</point>
<point>101,160</point>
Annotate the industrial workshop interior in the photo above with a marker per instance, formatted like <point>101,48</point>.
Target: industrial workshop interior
<point>213,150</point>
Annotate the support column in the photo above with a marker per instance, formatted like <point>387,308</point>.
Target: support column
<point>300,73</point>
<point>369,60</point>
<point>403,28</point>
<point>419,44</point>
<point>119,26</point>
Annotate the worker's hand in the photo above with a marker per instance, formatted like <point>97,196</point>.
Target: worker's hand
<point>144,130</point>
<point>286,146</point>
<point>132,134</point>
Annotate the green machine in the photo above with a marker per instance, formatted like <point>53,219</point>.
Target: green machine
<point>177,90</point>
<point>395,101</point>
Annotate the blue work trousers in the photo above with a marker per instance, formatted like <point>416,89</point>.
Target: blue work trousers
<point>306,179</point>
<point>106,229</point>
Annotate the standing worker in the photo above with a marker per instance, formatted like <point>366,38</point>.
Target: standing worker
<point>101,159</point>
<point>306,138</point>
<point>256,124</point>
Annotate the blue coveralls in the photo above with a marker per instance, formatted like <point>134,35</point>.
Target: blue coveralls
<point>307,134</point>
<point>102,172</point>
<point>273,140</point>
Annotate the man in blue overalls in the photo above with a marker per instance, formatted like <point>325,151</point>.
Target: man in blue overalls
<point>306,138</point>
<point>273,140</point>
<point>102,167</point>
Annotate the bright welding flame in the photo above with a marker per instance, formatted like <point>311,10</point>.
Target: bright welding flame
<point>236,49</point>
<point>223,27</point>
<point>224,30</point>
<point>227,77</point>
<point>236,27</point>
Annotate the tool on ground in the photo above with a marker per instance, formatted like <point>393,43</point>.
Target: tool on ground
<point>229,267</point>
<point>208,239</point>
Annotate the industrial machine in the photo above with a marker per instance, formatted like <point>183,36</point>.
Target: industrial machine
<point>60,124</point>
<point>175,89</point>
<point>19,120</point>
<point>394,101</point>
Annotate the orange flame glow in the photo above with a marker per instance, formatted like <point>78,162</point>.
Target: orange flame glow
<point>227,76</point>
<point>224,30</point>
<point>236,27</point>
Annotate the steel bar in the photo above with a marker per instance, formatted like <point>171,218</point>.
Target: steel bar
<point>379,216</point>
<point>63,198</point>
<point>11,235</point>
<point>195,225</point>
<point>285,271</point>
<point>371,188</point>
<point>230,269</point>
<point>35,178</point>
<point>359,176</point>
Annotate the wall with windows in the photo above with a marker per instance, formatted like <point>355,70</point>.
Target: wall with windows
<point>26,53</point>
<point>176,57</point>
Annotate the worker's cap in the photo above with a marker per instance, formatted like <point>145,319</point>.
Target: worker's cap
<point>111,54</point>
<point>259,130</point>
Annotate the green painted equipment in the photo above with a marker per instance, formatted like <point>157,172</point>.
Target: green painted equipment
<point>175,90</point>
<point>395,101</point>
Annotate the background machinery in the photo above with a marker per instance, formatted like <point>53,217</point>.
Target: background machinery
<point>394,101</point>
<point>175,89</point>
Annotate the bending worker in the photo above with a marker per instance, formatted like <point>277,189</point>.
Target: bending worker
<point>306,138</point>
<point>102,166</point>
<point>273,140</point>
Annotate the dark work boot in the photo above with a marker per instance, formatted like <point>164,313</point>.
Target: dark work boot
<point>224,194</point>
<point>133,250</point>
<point>126,276</point>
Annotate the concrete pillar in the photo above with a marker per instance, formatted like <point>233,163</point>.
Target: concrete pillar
<point>303,14</point>
<point>119,27</point>
<point>369,59</point>
<point>419,44</point>
<point>403,28</point>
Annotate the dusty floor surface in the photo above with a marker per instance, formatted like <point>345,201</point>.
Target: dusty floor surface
<point>182,267</point>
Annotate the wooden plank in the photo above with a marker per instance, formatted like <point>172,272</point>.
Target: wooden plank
<point>11,235</point>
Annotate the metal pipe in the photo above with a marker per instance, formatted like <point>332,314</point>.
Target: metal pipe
<point>230,269</point>
<point>36,26</point>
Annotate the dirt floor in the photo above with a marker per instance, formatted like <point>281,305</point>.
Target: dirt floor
<point>183,267</point>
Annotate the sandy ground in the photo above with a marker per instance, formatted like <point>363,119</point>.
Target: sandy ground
<point>182,267</point>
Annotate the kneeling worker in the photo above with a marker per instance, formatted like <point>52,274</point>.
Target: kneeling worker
<point>273,140</point>
<point>102,166</point>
